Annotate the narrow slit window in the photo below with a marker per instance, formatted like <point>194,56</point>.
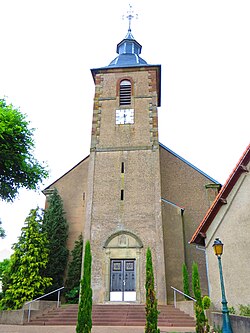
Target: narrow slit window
<point>122,194</point>
<point>122,167</point>
<point>125,92</point>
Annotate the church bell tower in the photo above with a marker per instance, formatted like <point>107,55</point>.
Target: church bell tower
<point>123,197</point>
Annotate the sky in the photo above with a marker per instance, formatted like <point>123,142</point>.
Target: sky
<point>49,46</point>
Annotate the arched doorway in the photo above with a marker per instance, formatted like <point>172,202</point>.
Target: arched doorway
<point>122,267</point>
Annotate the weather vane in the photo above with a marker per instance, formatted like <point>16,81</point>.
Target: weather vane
<point>130,16</point>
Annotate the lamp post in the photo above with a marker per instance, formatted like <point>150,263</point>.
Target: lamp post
<point>218,250</point>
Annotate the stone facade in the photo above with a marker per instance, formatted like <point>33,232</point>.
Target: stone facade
<point>72,187</point>
<point>135,146</point>
<point>132,193</point>
<point>185,200</point>
<point>164,199</point>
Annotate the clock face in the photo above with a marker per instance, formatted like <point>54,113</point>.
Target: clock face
<point>124,116</point>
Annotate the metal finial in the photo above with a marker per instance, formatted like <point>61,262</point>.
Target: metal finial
<point>130,16</point>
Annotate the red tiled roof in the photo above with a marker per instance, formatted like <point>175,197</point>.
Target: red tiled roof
<point>200,233</point>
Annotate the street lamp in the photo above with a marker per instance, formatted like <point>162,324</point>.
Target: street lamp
<point>218,250</point>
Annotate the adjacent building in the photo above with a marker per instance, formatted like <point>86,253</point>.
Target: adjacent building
<point>229,220</point>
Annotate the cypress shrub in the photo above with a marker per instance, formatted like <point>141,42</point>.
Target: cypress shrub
<point>185,280</point>
<point>22,279</point>
<point>201,320</point>
<point>72,284</point>
<point>56,227</point>
<point>84,320</point>
<point>151,300</point>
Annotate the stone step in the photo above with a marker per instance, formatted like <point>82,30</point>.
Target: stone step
<point>114,315</point>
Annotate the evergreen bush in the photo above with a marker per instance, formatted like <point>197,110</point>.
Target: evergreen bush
<point>151,300</point>
<point>72,284</point>
<point>201,319</point>
<point>206,302</point>
<point>22,279</point>
<point>185,280</point>
<point>56,227</point>
<point>84,320</point>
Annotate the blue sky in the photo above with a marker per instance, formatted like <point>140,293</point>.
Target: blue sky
<point>48,48</point>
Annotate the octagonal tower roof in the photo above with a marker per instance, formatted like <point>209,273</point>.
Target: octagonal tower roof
<point>128,52</point>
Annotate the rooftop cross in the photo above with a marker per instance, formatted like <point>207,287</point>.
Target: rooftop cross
<point>130,16</point>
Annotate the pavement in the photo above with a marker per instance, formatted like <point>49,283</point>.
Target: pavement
<point>95,329</point>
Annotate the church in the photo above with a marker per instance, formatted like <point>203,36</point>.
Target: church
<point>132,192</point>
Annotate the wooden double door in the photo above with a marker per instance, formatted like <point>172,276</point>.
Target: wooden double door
<point>123,280</point>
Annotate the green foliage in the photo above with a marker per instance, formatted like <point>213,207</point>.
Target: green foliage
<point>72,296</point>
<point>5,282</point>
<point>206,302</point>
<point>24,270</point>
<point>2,231</point>
<point>72,285</point>
<point>231,310</point>
<point>84,321</point>
<point>3,267</point>
<point>151,300</point>
<point>18,166</point>
<point>244,310</point>
<point>185,280</point>
<point>4,277</point>
<point>56,227</point>
<point>217,330</point>
<point>201,320</point>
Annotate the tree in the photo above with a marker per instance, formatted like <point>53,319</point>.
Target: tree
<point>151,300</point>
<point>4,266</point>
<point>201,320</point>
<point>72,284</point>
<point>84,320</point>
<point>56,227</point>
<point>29,258</point>
<point>18,167</point>
<point>185,281</point>
<point>2,231</point>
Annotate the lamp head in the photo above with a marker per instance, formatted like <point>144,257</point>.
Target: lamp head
<point>218,247</point>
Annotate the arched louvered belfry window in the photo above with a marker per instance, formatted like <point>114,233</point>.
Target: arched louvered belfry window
<point>125,92</point>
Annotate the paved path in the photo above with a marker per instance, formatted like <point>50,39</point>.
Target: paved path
<point>72,329</point>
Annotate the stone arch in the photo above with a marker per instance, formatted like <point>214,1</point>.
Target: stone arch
<point>123,239</point>
<point>123,245</point>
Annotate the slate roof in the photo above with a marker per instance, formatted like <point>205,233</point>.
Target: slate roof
<point>128,53</point>
<point>221,199</point>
